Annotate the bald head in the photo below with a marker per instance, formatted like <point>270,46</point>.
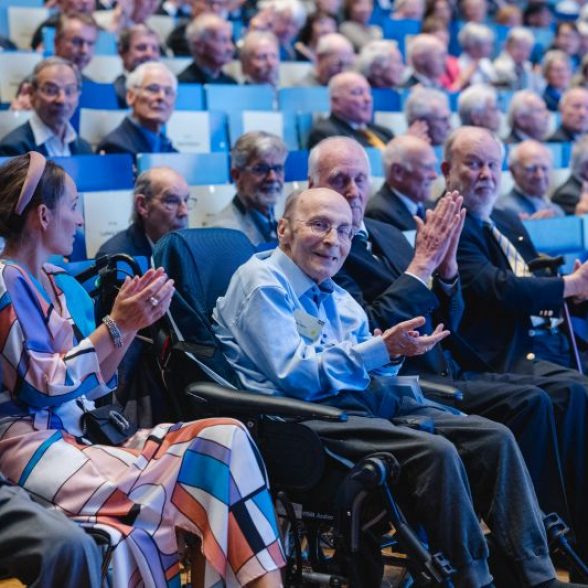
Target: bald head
<point>316,232</point>
<point>410,167</point>
<point>574,110</point>
<point>351,98</point>
<point>472,166</point>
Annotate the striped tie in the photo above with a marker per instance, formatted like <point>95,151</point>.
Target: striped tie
<point>373,139</point>
<point>515,259</point>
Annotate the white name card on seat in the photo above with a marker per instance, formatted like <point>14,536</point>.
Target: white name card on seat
<point>23,22</point>
<point>15,67</point>
<point>96,124</point>
<point>105,213</point>
<point>272,122</point>
<point>189,131</point>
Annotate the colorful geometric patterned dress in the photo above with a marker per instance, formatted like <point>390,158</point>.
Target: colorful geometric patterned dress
<point>204,477</point>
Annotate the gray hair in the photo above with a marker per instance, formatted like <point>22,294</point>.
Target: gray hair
<point>145,186</point>
<point>473,100</point>
<point>519,104</point>
<point>332,143</point>
<point>202,25</point>
<point>448,149</point>
<point>375,53</point>
<point>422,43</point>
<point>579,154</point>
<point>332,42</point>
<point>551,57</point>
<point>136,77</point>
<point>421,101</point>
<point>256,144</point>
<point>514,154</point>
<point>53,61</point>
<point>252,38</point>
<point>294,7</point>
<point>520,35</point>
<point>473,34</point>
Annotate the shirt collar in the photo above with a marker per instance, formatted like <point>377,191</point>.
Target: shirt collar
<point>410,205</point>
<point>300,282</point>
<point>156,140</point>
<point>42,133</point>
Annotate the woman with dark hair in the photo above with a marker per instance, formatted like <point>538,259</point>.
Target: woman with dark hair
<point>316,25</point>
<point>203,478</point>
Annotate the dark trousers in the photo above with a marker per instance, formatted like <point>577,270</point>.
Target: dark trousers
<point>41,547</point>
<point>467,466</point>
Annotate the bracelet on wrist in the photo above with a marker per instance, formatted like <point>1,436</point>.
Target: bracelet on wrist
<point>113,331</point>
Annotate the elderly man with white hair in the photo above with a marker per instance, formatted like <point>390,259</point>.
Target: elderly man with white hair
<point>426,55</point>
<point>573,108</point>
<point>351,113</point>
<point>478,107</point>
<point>151,95</point>
<point>334,54</point>
<point>531,165</point>
<point>260,58</point>
<point>477,43</point>
<point>209,38</point>
<point>512,67</point>
<point>528,117</point>
<point>286,19</point>
<point>431,107</point>
<point>381,64</point>
<point>572,195</point>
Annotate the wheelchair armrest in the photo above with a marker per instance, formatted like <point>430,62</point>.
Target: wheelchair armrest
<point>546,262</point>
<point>444,391</point>
<point>239,401</point>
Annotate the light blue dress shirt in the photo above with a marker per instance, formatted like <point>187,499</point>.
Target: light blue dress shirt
<point>263,323</point>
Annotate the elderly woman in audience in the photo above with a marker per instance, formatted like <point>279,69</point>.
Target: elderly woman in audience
<point>477,42</point>
<point>527,117</point>
<point>317,25</point>
<point>478,107</point>
<point>356,26</point>
<point>431,107</point>
<point>557,71</point>
<point>380,62</point>
<point>201,477</point>
<point>450,79</point>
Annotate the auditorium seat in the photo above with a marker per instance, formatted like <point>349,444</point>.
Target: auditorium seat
<point>15,66</point>
<point>9,120</point>
<point>198,132</point>
<point>304,99</point>
<point>23,21</point>
<point>233,98</point>
<point>282,124</point>
<point>104,68</point>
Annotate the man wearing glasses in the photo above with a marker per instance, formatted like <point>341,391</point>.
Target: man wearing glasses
<point>257,168</point>
<point>151,95</point>
<point>54,98</point>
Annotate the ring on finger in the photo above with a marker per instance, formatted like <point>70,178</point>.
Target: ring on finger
<point>153,301</point>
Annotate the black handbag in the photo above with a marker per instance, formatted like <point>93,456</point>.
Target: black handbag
<point>107,425</point>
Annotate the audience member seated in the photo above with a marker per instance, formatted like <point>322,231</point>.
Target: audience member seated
<point>450,80</point>
<point>567,39</point>
<point>531,166</point>
<point>426,56</point>
<point>572,195</point>
<point>477,43</point>
<point>333,8</point>
<point>176,8</point>
<point>260,58</point>
<point>126,14</point>
<point>528,117</point>
<point>557,71</point>
<point>580,79</point>
<point>429,106</point>
<point>509,15</point>
<point>440,10</point>
<point>513,68</point>
<point>22,99</point>
<point>380,62</point>
<point>55,93</point>
<point>209,38</point>
<point>257,168</point>
<point>475,11</point>
<point>160,204</point>
<point>538,15</point>
<point>63,7</point>
<point>408,10</point>
<point>478,107</point>
<point>356,26</point>
<point>574,116</point>
<point>151,95</point>
<point>287,18</point>
<point>136,45</point>
<point>41,547</point>
<point>351,113</point>
<point>334,54</point>
<point>344,365</point>
<point>142,487</point>
<point>410,170</point>
<point>75,38</point>
<point>317,24</point>
<point>392,282</point>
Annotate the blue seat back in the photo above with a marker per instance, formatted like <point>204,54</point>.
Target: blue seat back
<point>386,99</point>
<point>229,98</point>
<point>94,173</point>
<point>95,95</point>
<point>190,97</point>
<point>311,99</point>
<point>296,166</point>
<point>196,168</point>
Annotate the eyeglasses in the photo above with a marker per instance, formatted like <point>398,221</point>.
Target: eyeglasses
<point>156,89</point>
<point>534,168</point>
<point>174,203</point>
<point>263,169</point>
<point>51,90</point>
<point>322,228</point>
<point>80,42</point>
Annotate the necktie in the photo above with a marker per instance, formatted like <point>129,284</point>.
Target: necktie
<point>420,212</point>
<point>515,260</point>
<point>361,238</point>
<point>372,138</point>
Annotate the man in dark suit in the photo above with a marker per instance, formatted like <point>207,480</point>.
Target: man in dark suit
<point>151,95</point>
<point>351,113</point>
<point>393,282</point>
<point>426,55</point>
<point>55,94</point>
<point>527,117</point>
<point>209,38</point>
<point>75,38</point>
<point>136,45</point>
<point>572,195</point>
<point>573,107</point>
<point>160,204</point>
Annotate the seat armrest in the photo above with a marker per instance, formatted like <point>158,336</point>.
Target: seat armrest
<point>241,402</point>
<point>444,391</point>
